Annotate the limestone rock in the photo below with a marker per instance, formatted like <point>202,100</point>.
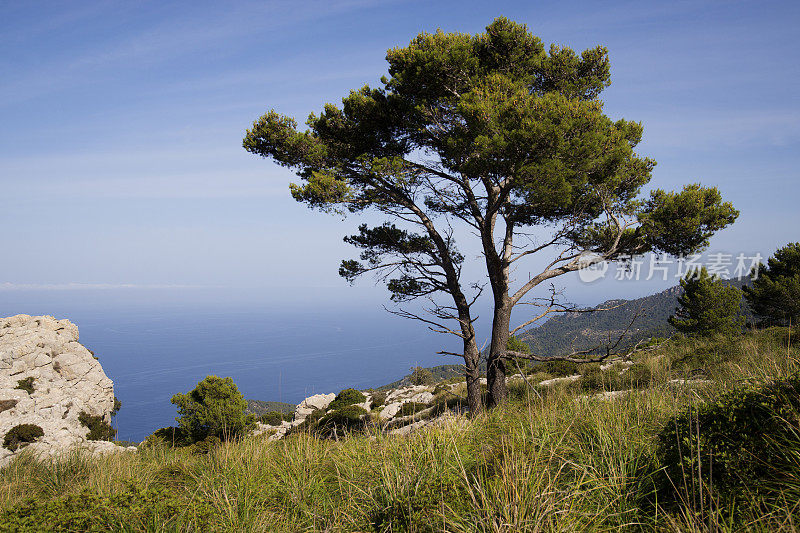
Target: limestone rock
<point>307,406</point>
<point>67,380</point>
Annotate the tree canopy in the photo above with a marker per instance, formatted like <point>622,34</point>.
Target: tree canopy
<point>707,306</point>
<point>775,294</point>
<point>495,134</point>
<point>214,408</point>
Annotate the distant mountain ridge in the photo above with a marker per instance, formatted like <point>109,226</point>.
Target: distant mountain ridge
<point>581,331</point>
<point>567,332</point>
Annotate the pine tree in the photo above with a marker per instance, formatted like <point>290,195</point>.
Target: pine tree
<point>775,294</point>
<point>495,138</point>
<point>708,306</point>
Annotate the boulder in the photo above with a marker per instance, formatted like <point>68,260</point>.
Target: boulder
<point>307,406</point>
<point>65,378</point>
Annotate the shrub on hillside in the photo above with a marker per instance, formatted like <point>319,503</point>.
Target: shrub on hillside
<point>133,509</point>
<point>378,399</point>
<point>558,368</point>
<point>341,421</point>
<point>99,429</point>
<point>214,407</point>
<point>309,422</point>
<point>747,439</point>
<point>347,397</point>
<point>273,418</point>
<point>22,435</point>
<point>26,384</point>
<point>169,436</point>
<point>637,376</point>
<point>411,408</point>
<point>594,379</point>
<point>421,376</point>
<point>205,446</point>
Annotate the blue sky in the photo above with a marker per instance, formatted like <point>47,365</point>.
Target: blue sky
<point>120,146</point>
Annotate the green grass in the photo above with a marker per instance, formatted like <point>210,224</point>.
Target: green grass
<point>551,460</point>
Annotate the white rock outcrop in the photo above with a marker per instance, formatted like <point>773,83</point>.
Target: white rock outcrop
<point>310,404</point>
<point>66,380</point>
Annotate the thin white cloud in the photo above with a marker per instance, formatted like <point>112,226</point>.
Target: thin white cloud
<point>8,286</point>
<point>171,40</point>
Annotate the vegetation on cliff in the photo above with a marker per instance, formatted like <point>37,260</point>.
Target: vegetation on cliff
<point>555,459</point>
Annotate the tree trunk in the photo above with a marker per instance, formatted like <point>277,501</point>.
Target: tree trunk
<point>473,377</point>
<point>496,368</point>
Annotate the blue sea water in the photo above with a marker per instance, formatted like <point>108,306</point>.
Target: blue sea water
<point>156,343</point>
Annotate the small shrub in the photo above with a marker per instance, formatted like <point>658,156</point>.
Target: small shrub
<point>341,421</point>
<point>441,388</point>
<point>411,408</point>
<point>593,378</point>
<point>538,377</point>
<point>132,509</point>
<point>206,446</point>
<point>272,418</point>
<point>447,402</point>
<point>378,399</point>
<point>170,436</point>
<point>748,439</point>
<point>559,368</point>
<point>309,422</point>
<point>26,384</point>
<point>22,435</point>
<point>117,406</point>
<point>347,397</point>
<point>421,376</point>
<point>638,376</point>
<point>99,429</point>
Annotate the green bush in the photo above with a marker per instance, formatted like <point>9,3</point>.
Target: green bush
<point>558,368</point>
<point>447,401</point>
<point>421,376</point>
<point>638,376</point>
<point>214,407</point>
<point>22,435</point>
<point>309,422</point>
<point>745,443</point>
<point>347,397</point>
<point>129,510</point>
<point>26,384</point>
<point>378,399</point>
<point>99,429</point>
<point>346,419</point>
<point>170,436</point>
<point>410,408</point>
<point>205,446</point>
<point>272,418</point>
<point>594,379</point>
<point>441,388</point>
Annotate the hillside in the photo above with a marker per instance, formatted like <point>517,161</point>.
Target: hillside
<point>580,331</point>
<point>259,407</point>
<point>584,452</point>
<point>440,373</point>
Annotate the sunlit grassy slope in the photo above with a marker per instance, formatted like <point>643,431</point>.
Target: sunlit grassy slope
<point>554,459</point>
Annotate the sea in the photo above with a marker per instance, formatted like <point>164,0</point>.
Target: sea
<point>156,342</point>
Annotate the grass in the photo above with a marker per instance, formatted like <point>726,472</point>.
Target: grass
<point>554,460</point>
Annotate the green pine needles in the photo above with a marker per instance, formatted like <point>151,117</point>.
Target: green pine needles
<point>708,306</point>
